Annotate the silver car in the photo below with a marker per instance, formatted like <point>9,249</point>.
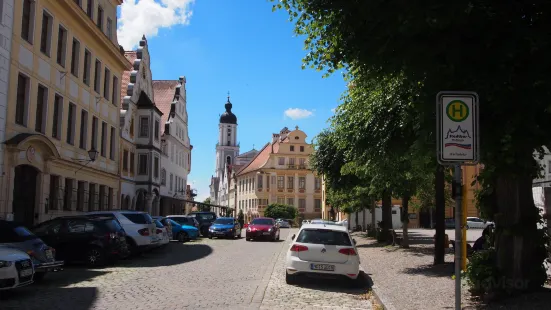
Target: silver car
<point>18,237</point>
<point>283,223</point>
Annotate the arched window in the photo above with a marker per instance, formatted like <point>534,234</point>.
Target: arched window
<point>228,160</point>
<point>163,176</point>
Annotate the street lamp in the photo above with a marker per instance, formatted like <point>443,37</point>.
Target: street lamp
<point>92,154</point>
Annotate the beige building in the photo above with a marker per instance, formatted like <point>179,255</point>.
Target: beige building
<point>62,129</point>
<point>280,173</point>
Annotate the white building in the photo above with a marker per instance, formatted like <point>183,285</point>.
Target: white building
<point>141,150</point>
<point>227,154</point>
<point>6,25</point>
<point>170,97</point>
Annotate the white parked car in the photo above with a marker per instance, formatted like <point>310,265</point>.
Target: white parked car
<point>475,222</point>
<point>139,227</point>
<point>16,268</point>
<point>161,233</point>
<point>320,249</point>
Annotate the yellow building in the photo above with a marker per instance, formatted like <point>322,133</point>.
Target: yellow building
<point>62,132</point>
<point>280,173</point>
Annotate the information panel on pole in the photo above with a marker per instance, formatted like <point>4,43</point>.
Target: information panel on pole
<point>457,128</point>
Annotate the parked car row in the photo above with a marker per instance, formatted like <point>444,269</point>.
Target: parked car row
<point>95,238</point>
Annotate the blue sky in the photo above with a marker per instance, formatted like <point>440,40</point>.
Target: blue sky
<point>238,46</point>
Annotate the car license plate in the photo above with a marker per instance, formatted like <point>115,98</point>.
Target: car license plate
<point>323,267</point>
<point>219,233</point>
<point>49,254</point>
<point>25,273</point>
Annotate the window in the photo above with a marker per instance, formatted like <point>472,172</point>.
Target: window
<point>291,161</point>
<point>301,203</point>
<point>46,34</point>
<point>290,182</point>
<point>61,46</point>
<point>58,117</point>
<point>280,182</point>
<point>157,129</point>
<point>27,21</point>
<point>324,236</point>
<point>302,148</point>
<point>156,167</point>
<point>115,97</point>
<point>87,67</point>
<point>22,100</point>
<point>95,133</point>
<point>68,197</point>
<point>260,179</point>
<point>41,108</point>
<point>268,182</point>
<point>291,201</point>
<point>83,130</point>
<point>317,183</point>
<point>112,144</point>
<point>75,57</point>
<point>144,127</point>
<point>292,148</point>
<point>171,180</point>
<point>317,204</point>
<point>54,192</point>
<point>281,160</point>
<point>163,177</point>
<point>90,8</point>
<point>125,160</point>
<point>302,162</point>
<point>132,127</point>
<point>97,76</point>
<point>99,21</point>
<point>301,182</point>
<point>102,197</point>
<point>106,80</point>
<point>92,197</point>
<point>78,2</point>
<point>110,198</point>
<point>71,123</point>
<point>132,156</point>
<point>109,30</point>
<point>103,145</point>
<point>142,164</point>
<point>80,196</point>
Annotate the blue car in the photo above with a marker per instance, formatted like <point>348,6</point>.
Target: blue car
<point>183,233</point>
<point>225,227</point>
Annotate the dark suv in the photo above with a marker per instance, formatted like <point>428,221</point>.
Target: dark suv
<point>205,219</point>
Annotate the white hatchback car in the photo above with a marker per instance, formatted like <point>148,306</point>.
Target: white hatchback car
<point>322,250</point>
<point>16,268</point>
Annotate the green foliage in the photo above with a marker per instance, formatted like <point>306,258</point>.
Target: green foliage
<point>240,215</point>
<point>481,274</point>
<point>276,210</point>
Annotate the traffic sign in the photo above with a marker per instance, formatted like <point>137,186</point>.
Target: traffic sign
<point>457,127</point>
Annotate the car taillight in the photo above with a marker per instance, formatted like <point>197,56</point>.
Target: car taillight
<point>159,231</point>
<point>30,253</point>
<point>109,236</point>
<point>348,251</point>
<point>143,232</point>
<point>299,248</point>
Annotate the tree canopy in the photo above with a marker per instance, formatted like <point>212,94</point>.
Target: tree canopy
<point>280,211</point>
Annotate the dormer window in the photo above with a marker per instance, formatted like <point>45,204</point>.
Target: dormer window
<point>292,148</point>
<point>143,73</point>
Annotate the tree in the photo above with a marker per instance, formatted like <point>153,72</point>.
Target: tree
<point>241,217</point>
<point>440,46</point>
<point>206,208</point>
<point>280,211</point>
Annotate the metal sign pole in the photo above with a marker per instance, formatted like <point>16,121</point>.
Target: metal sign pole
<point>458,235</point>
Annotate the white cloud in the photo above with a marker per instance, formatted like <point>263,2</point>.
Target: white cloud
<point>146,17</point>
<point>296,113</point>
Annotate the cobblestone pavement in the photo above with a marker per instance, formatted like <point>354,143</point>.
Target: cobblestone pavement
<point>205,274</point>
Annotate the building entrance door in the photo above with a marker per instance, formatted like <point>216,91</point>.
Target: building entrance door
<point>24,194</point>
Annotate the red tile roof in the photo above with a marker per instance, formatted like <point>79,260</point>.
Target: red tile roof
<point>163,92</point>
<point>131,56</point>
<point>258,161</point>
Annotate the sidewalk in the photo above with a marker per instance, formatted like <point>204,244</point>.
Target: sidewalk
<point>405,279</point>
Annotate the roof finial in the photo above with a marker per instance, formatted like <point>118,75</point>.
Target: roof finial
<point>228,96</point>
<point>296,127</point>
<point>253,146</point>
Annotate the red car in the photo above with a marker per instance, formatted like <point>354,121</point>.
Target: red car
<point>262,227</point>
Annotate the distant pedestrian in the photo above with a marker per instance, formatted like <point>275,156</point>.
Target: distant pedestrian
<point>482,242</point>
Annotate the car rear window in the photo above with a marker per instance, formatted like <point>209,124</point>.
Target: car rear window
<point>205,216</point>
<point>324,236</point>
<point>15,234</point>
<point>139,218</point>
<point>113,225</point>
<point>262,222</point>
<point>158,224</point>
<point>180,219</point>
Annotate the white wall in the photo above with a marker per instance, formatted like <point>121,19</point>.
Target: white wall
<point>396,223</point>
<point>6,24</point>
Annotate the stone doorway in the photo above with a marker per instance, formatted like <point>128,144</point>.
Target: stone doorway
<point>24,194</point>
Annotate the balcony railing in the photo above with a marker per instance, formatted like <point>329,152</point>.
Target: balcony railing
<point>301,167</point>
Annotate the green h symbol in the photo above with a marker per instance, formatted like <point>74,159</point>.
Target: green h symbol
<point>457,108</point>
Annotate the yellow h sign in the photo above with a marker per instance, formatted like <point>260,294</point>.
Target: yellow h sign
<point>457,111</point>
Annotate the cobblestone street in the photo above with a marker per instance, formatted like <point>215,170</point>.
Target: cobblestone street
<point>205,274</point>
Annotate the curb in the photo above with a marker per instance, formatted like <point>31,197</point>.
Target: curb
<point>385,304</point>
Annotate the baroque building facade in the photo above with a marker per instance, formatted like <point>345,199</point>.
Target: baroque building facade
<point>171,97</point>
<point>6,31</point>
<point>61,139</point>
<point>140,123</point>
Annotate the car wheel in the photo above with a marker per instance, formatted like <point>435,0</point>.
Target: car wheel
<point>132,248</point>
<point>290,279</point>
<point>39,276</point>
<point>182,236</point>
<point>95,256</point>
<point>210,236</point>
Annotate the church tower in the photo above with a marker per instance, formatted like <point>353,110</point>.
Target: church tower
<point>227,148</point>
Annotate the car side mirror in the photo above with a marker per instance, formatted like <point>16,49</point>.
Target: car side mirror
<point>354,240</point>
<point>293,237</point>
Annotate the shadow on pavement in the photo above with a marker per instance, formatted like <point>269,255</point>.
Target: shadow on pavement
<point>31,298</point>
<point>364,284</point>
<point>539,300</point>
<point>170,255</point>
<point>443,270</point>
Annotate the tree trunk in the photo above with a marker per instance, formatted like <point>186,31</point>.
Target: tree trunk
<point>357,218</point>
<point>387,216</point>
<point>363,224</point>
<point>520,249</point>
<point>373,217</point>
<point>405,221</point>
<point>440,205</point>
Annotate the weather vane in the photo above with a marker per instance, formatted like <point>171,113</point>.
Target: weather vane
<point>228,95</point>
